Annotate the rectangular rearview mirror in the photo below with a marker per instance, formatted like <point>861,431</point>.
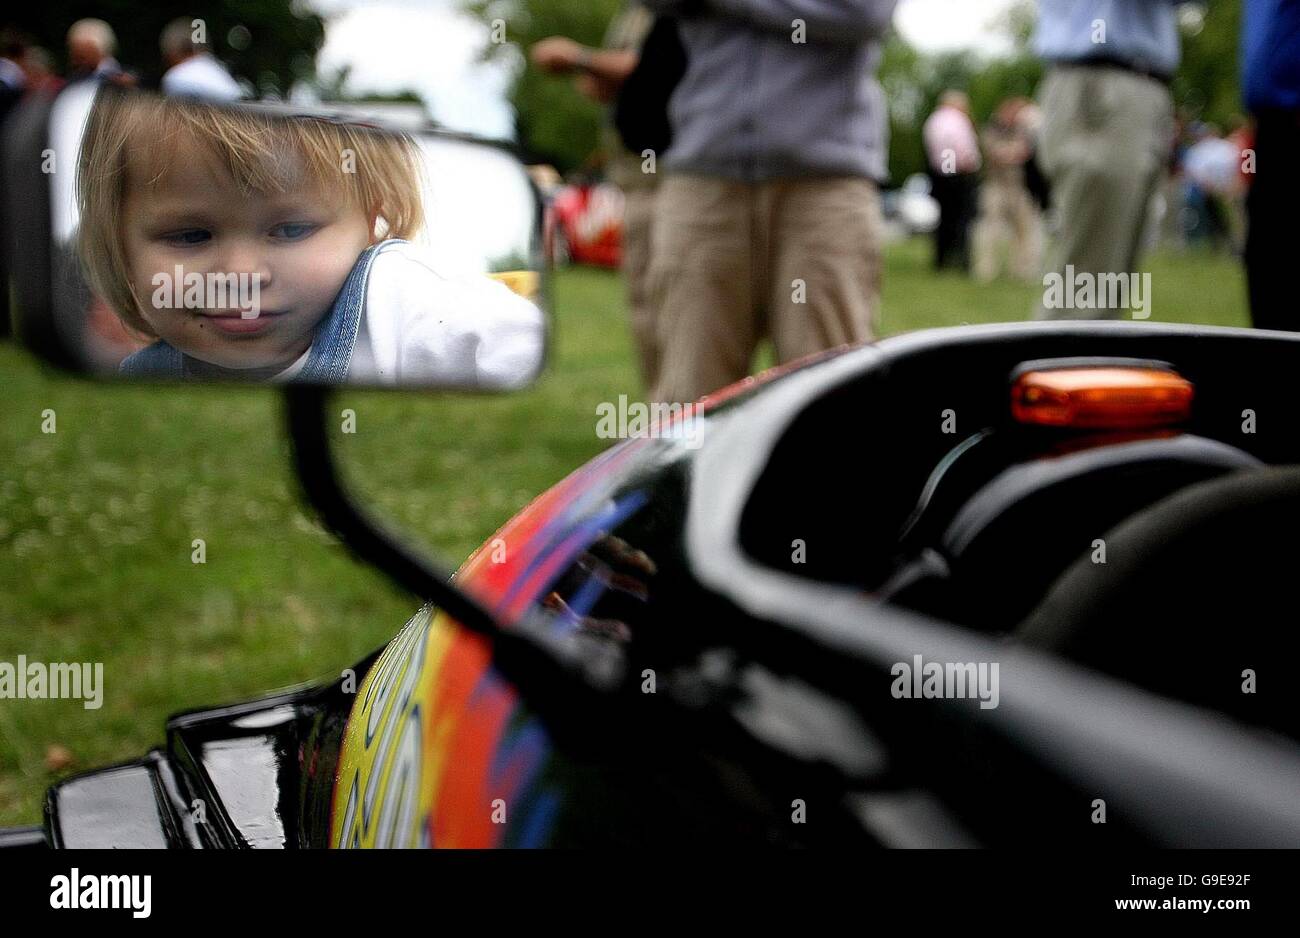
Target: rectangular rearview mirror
<point>192,240</point>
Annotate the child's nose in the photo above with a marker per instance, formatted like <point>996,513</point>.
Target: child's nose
<point>247,259</point>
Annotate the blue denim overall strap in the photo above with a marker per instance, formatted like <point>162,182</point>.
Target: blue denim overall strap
<point>331,350</point>
<point>159,360</point>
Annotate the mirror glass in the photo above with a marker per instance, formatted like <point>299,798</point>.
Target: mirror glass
<point>265,243</point>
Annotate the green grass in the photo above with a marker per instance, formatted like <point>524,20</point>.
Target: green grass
<point>97,519</point>
<point>1196,286</point>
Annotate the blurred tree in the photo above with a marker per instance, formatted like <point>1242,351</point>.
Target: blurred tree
<point>902,75</point>
<point>332,87</point>
<point>553,122</point>
<point>1207,85</point>
<point>271,43</point>
<point>1017,24</point>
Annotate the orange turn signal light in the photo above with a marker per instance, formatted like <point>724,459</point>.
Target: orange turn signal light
<point>1101,397</point>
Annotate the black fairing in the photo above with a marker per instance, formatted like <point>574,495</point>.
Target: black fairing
<point>251,775</point>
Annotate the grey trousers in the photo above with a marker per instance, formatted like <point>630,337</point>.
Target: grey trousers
<point>1103,146</point>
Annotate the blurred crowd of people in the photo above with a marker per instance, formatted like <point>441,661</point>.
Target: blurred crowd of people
<point>993,196</point>
<point>765,221</point>
<point>1209,175</point>
<point>189,67</point>
<point>1115,170</point>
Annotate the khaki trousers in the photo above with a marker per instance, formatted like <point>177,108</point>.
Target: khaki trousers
<point>1105,139</point>
<point>638,219</point>
<point>798,260</point>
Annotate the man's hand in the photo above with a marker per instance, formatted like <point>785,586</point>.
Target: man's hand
<point>559,55</point>
<point>599,72</point>
<point>598,89</point>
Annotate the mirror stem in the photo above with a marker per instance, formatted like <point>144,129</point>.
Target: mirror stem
<point>561,674</point>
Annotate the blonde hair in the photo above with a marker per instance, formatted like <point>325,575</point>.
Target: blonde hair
<point>376,170</point>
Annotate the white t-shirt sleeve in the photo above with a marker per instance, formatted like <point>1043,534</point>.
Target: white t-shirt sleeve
<point>420,326</point>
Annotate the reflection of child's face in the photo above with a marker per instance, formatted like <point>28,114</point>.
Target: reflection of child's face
<point>300,244</point>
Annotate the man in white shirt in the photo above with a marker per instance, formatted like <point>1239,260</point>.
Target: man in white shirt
<point>192,70</point>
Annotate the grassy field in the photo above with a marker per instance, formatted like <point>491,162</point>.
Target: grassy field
<point>97,519</point>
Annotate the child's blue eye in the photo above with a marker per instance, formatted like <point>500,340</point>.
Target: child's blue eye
<point>293,231</point>
<point>189,237</point>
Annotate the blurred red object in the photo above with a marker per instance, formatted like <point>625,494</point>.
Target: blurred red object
<point>108,340</point>
<point>584,225</point>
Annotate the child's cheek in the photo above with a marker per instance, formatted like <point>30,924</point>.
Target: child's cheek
<point>153,276</point>
<point>153,288</point>
<point>318,276</point>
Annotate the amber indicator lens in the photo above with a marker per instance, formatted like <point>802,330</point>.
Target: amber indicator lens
<point>1110,398</point>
